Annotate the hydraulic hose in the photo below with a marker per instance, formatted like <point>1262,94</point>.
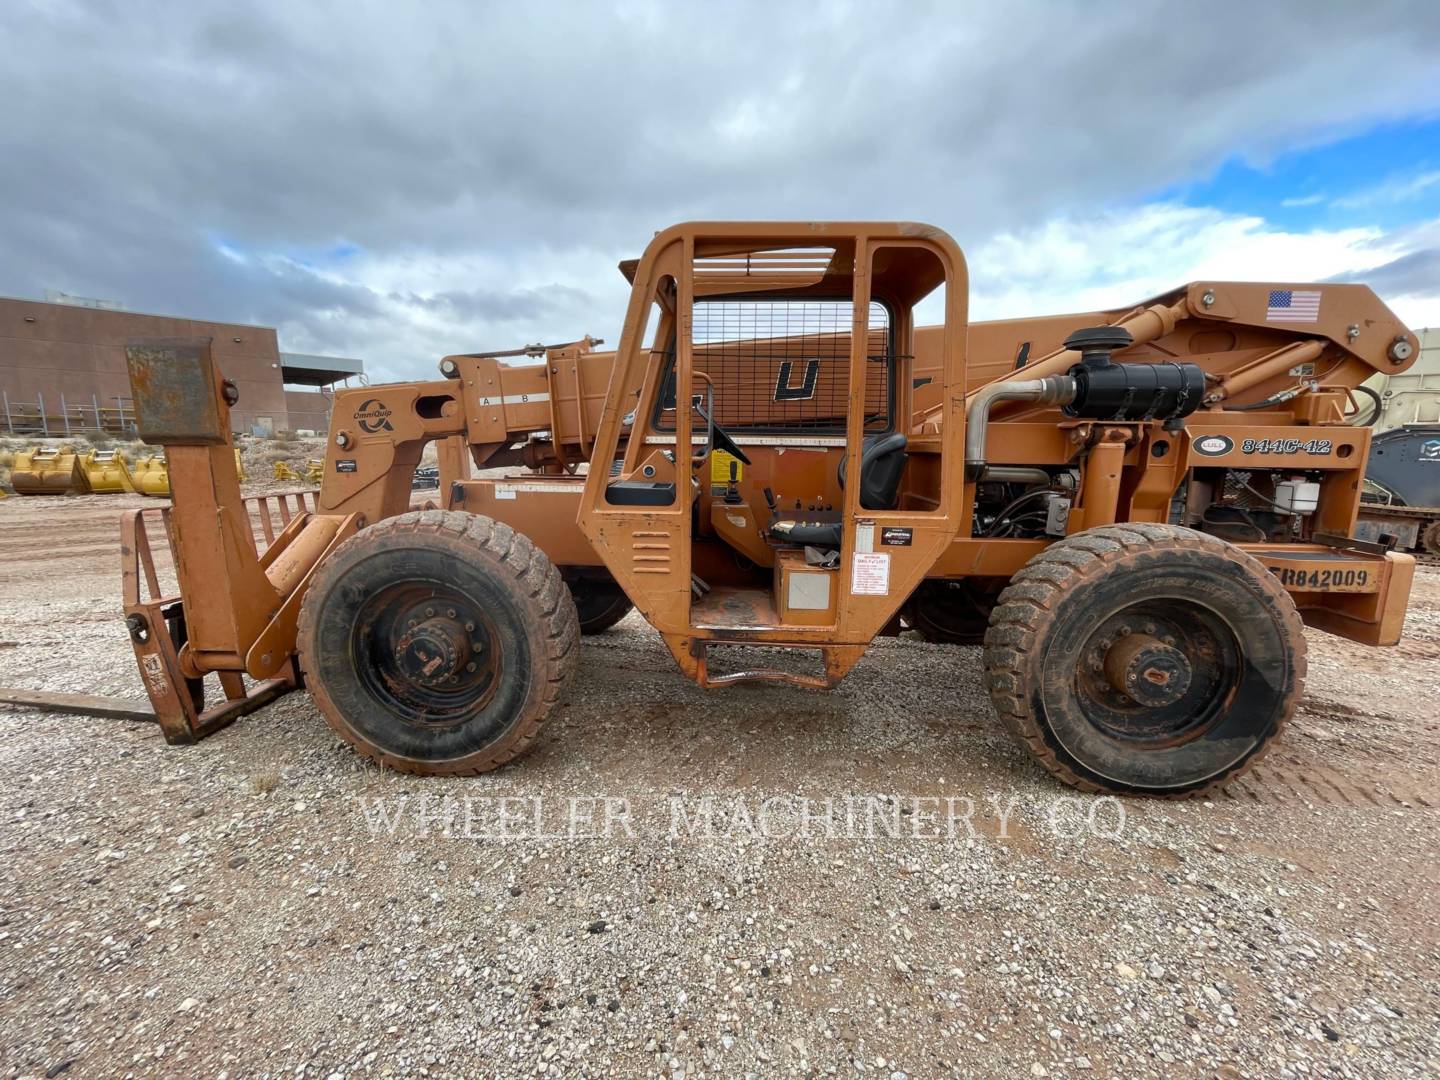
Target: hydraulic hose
<point>1375,414</point>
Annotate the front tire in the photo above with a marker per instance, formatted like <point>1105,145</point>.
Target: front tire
<point>438,642</point>
<point>1145,660</point>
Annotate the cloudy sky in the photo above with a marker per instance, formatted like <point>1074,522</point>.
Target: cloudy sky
<point>397,181</point>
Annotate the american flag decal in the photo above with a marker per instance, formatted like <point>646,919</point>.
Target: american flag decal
<point>1293,305</point>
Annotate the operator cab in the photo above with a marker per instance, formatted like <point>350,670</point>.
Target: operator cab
<point>882,465</point>
<point>758,373</point>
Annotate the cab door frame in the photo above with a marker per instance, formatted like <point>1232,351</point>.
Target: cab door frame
<point>866,557</point>
<point>648,549</point>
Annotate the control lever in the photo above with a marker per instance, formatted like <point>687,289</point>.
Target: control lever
<point>732,497</point>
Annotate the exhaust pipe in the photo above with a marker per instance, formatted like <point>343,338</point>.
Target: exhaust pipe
<point>1096,388</point>
<point>1051,390</point>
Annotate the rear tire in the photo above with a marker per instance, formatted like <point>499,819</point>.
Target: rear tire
<point>950,612</point>
<point>600,603</point>
<point>438,642</point>
<point>1145,660</point>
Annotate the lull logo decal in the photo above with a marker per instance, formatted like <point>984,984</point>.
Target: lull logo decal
<point>373,416</point>
<point>1213,445</point>
<point>785,392</point>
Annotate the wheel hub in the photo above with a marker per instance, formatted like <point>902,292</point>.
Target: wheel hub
<point>433,652</point>
<point>1147,670</point>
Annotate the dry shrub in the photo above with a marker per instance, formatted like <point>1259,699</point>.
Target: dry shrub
<point>265,781</point>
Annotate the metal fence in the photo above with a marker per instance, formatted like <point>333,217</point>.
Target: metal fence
<point>112,416</point>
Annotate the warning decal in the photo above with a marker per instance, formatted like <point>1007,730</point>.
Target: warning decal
<point>720,467</point>
<point>870,574</point>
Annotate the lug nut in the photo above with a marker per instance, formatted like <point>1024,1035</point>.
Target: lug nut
<point>469,627</point>
<point>450,613</point>
<point>429,612</point>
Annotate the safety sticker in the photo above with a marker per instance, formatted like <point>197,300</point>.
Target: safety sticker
<point>720,467</point>
<point>346,465</point>
<point>870,573</point>
<point>895,536</point>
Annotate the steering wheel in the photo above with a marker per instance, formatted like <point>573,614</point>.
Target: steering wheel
<point>715,435</point>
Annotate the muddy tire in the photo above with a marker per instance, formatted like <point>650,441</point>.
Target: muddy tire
<point>438,642</point>
<point>1145,660</point>
<point>600,603</point>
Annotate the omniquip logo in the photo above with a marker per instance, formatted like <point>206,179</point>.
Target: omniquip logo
<point>373,416</point>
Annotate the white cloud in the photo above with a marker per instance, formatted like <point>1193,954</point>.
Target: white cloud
<point>1396,189</point>
<point>1106,260</point>
<point>426,305</point>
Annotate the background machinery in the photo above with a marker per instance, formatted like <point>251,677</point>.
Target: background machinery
<point>1402,483</point>
<point>1402,488</point>
<point>1137,508</point>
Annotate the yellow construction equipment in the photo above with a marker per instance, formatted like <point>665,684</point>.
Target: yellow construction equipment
<point>151,475</point>
<point>314,471</point>
<point>285,471</point>
<point>106,472</point>
<point>47,470</point>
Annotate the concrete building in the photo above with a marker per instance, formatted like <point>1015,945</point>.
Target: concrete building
<point>62,368</point>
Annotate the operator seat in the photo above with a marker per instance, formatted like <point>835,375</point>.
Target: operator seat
<point>882,464</point>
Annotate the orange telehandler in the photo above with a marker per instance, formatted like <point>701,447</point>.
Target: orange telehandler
<point>1134,509</point>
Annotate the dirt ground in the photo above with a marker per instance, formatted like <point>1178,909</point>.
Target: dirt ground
<point>237,908</point>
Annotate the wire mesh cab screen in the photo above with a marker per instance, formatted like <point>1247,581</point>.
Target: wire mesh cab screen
<point>783,366</point>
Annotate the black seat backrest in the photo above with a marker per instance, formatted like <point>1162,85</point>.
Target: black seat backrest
<point>882,464</point>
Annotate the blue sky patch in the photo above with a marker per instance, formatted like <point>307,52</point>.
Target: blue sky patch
<point>1387,177</point>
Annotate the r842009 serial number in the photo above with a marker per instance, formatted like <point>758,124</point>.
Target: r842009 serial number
<point>1326,579</point>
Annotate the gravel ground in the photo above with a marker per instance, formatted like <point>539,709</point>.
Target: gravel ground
<point>242,908</point>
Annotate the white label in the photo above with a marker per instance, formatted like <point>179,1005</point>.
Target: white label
<point>870,574</point>
<point>808,592</point>
<point>865,536</point>
<point>514,399</point>
<point>791,442</point>
<point>507,491</point>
